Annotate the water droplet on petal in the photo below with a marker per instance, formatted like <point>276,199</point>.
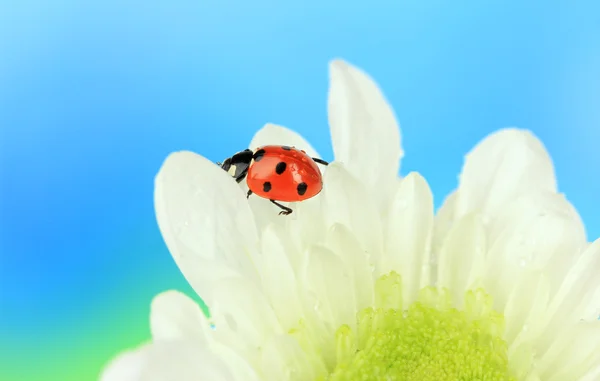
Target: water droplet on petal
<point>213,326</point>
<point>317,305</point>
<point>523,262</point>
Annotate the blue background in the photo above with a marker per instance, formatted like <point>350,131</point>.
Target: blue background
<point>95,94</point>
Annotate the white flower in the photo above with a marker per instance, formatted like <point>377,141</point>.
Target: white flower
<point>362,282</point>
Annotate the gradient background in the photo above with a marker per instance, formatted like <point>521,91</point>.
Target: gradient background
<point>95,94</point>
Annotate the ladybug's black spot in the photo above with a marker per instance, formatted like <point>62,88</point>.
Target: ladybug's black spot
<point>280,167</point>
<point>259,154</point>
<point>266,186</point>
<point>286,148</point>
<point>301,188</point>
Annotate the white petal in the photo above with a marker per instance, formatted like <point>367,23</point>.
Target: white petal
<point>279,279</point>
<point>408,235</point>
<point>540,214</point>
<point>176,316</point>
<point>590,309</point>
<point>168,361</point>
<point>345,201</point>
<point>330,281</point>
<point>364,131</point>
<point>536,231</point>
<point>526,306</point>
<point>593,375</point>
<point>341,240</point>
<point>305,226</point>
<point>272,134</point>
<point>205,221</point>
<point>242,316</point>
<point>173,315</point>
<point>462,257</point>
<point>328,301</point>
<point>442,223</point>
<point>577,291</point>
<point>504,165</point>
<point>574,353</point>
<point>126,366</point>
<point>284,360</point>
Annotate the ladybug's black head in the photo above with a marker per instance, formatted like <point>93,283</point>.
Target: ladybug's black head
<point>237,165</point>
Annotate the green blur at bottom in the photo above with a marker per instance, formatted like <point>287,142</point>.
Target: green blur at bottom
<point>83,354</point>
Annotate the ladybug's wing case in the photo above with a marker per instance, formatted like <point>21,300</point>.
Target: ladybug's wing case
<point>284,175</point>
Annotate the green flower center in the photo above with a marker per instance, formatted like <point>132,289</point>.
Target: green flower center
<point>430,340</point>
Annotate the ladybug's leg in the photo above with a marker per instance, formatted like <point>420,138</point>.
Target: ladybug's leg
<point>249,193</point>
<point>320,161</point>
<point>285,210</point>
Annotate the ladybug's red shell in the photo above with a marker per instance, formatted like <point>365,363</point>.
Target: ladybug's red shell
<point>284,173</point>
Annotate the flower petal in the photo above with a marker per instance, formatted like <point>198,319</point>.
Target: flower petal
<point>364,131</point>
<point>284,360</point>
<point>593,375</point>
<point>126,366</point>
<point>462,257</point>
<point>330,282</point>
<point>590,309</point>
<point>573,354</point>
<point>345,201</point>
<point>526,306</point>
<point>341,240</point>
<point>574,296</point>
<point>168,361</point>
<point>279,279</point>
<point>536,231</point>
<point>205,221</point>
<point>504,165</point>
<point>442,223</point>
<point>408,235</point>
<point>242,316</point>
<point>328,301</point>
<point>173,315</point>
<point>274,134</point>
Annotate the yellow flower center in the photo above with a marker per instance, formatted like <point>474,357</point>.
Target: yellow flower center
<point>430,341</point>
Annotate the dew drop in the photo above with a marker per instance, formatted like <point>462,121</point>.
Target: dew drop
<point>523,262</point>
<point>213,326</point>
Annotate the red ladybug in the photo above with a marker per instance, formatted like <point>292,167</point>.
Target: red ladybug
<point>277,173</point>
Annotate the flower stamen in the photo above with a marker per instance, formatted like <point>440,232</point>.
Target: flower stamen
<point>431,340</point>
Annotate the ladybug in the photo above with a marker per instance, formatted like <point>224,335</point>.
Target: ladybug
<point>277,173</point>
